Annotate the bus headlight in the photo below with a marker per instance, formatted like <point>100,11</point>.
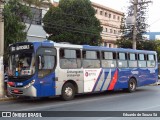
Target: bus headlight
<point>31,83</point>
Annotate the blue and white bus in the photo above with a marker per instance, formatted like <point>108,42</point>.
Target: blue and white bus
<point>43,69</point>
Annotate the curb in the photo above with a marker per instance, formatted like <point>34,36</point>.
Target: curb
<point>155,84</point>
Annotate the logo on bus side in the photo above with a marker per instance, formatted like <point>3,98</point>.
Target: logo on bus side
<point>86,74</point>
<point>135,72</point>
<point>91,73</point>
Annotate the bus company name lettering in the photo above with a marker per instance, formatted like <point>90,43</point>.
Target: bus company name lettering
<point>74,73</point>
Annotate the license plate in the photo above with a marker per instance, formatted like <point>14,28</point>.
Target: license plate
<point>16,91</point>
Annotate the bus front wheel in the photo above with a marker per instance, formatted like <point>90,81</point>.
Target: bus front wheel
<point>68,91</point>
<point>132,85</point>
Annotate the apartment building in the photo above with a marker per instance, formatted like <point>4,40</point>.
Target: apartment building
<point>152,35</point>
<point>34,27</point>
<point>110,21</point>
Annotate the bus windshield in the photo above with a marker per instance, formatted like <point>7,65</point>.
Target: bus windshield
<point>21,64</point>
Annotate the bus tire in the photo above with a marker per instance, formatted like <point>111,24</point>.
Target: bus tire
<point>132,84</point>
<point>68,91</point>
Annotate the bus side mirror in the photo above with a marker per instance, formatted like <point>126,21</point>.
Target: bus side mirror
<point>40,62</point>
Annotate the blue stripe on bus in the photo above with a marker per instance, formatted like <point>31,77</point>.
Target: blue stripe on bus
<point>99,76</point>
<point>105,78</point>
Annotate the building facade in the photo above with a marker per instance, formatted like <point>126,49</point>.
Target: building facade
<point>34,27</point>
<point>152,35</point>
<point>110,21</point>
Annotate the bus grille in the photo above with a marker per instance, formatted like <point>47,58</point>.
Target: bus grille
<point>19,92</point>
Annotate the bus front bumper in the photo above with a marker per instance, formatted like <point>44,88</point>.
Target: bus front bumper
<point>30,92</point>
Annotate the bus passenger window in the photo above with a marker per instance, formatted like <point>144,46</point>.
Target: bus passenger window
<point>70,58</point>
<point>132,60</point>
<point>142,60</point>
<point>151,62</point>
<point>91,59</point>
<point>109,59</point>
<point>122,60</point>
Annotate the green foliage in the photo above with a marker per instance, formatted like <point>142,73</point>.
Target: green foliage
<point>122,43</point>
<point>14,28</point>
<point>141,24</point>
<point>141,45</point>
<point>157,48</point>
<point>73,21</point>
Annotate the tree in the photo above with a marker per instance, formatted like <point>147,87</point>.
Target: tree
<point>73,21</point>
<point>141,18</point>
<point>14,28</point>
<point>141,25</point>
<point>123,43</point>
<point>157,48</point>
<point>141,45</point>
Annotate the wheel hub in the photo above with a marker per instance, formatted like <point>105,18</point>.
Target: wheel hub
<point>68,91</point>
<point>132,85</point>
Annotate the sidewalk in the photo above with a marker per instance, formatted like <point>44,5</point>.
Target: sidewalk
<point>7,98</point>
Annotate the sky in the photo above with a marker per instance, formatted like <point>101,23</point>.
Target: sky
<point>153,17</point>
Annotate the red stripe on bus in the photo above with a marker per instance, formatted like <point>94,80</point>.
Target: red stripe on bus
<point>114,80</point>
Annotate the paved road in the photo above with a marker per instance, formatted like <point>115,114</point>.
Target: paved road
<point>144,99</point>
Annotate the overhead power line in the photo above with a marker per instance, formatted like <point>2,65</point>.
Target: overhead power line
<point>154,22</point>
<point>71,26</point>
<point>76,29</point>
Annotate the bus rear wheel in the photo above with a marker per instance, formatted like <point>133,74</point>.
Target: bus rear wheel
<point>132,85</point>
<point>68,91</point>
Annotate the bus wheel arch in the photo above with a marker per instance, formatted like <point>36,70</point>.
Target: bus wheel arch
<point>132,84</point>
<point>69,89</point>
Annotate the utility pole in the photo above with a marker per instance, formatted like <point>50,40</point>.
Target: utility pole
<point>134,46</point>
<point>137,6</point>
<point>1,49</point>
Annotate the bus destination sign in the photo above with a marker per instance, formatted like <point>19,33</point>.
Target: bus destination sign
<point>20,47</point>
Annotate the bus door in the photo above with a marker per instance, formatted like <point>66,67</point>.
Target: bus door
<point>46,71</point>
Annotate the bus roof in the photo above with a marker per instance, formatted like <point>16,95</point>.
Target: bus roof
<point>87,47</point>
<point>116,49</point>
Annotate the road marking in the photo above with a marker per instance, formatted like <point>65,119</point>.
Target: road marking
<point>70,103</point>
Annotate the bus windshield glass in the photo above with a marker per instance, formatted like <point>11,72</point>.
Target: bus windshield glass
<point>21,64</point>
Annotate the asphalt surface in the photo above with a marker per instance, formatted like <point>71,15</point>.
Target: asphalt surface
<point>144,99</point>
